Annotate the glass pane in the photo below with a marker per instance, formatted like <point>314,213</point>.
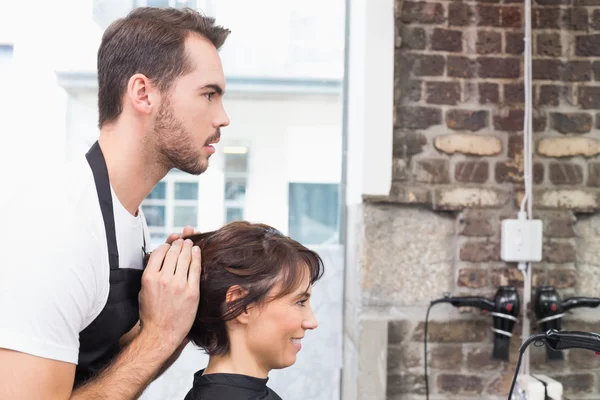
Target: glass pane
<point>156,239</point>
<point>159,191</point>
<point>235,189</point>
<point>157,3</point>
<point>313,212</point>
<point>185,3</point>
<point>234,214</point>
<point>236,162</point>
<point>155,215</point>
<point>6,54</point>
<point>185,215</point>
<point>186,190</point>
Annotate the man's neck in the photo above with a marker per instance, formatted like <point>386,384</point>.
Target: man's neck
<point>132,171</point>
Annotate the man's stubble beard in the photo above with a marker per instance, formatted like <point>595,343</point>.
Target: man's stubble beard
<point>175,144</point>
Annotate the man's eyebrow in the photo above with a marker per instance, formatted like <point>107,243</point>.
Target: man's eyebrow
<point>218,89</point>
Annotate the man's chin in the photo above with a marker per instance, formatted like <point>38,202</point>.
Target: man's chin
<point>195,169</point>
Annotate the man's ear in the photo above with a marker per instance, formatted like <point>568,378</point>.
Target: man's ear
<point>142,94</point>
<point>235,293</point>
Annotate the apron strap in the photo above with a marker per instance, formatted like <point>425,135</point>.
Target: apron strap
<point>98,165</point>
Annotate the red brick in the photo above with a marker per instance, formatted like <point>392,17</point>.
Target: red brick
<point>460,384</point>
<point>422,12</point>
<point>488,93</point>
<point>460,14</point>
<point>472,171</point>
<point>469,120</point>
<point>476,223</point>
<point>446,40</point>
<point>589,97</point>
<point>514,93</point>
<point>408,143</point>
<point>488,42</point>
<point>564,173</point>
<point>413,38</point>
<point>547,69</point>
<point>548,44</point>
<point>480,252</point>
<point>562,278</point>
<point>572,122</point>
<point>432,171</point>
<point>559,252</point>
<point>447,93</point>
<point>577,71</point>
<point>510,17</point>
<point>575,19</point>
<point>510,122</point>
<point>514,43</point>
<point>494,67</point>
<point>461,67</point>
<point>488,15</point>
<point>546,18</point>
<point>418,117</point>
<point>454,331</point>
<point>587,45</point>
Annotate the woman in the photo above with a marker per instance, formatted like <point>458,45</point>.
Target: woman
<point>254,309</point>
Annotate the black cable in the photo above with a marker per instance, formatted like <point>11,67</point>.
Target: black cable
<point>533,338</point>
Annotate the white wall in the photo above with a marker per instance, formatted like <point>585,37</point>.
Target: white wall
<point>275,129</point>
<point>290,139</point>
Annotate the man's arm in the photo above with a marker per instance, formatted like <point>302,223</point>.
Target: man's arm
<point>168,305</point>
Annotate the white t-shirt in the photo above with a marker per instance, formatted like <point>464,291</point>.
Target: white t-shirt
<point>54,268</point>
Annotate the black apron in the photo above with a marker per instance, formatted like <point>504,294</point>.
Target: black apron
<point>99,341</point>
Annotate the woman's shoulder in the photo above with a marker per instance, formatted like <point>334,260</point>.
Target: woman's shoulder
<point>230,386</point>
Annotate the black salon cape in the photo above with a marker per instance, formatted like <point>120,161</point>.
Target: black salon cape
<point>229,387</point>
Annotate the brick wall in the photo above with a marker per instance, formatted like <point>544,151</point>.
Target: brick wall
<point>458,151</point>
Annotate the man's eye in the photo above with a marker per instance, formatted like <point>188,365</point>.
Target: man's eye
<point>209,95</point>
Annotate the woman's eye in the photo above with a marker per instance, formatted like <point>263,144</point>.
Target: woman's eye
<point>209,95</point>
<point>301,303</point>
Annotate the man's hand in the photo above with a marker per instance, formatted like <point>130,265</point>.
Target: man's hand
<point>187,231</point>
<point>170,293</point>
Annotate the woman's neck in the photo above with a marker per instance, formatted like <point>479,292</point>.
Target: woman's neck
<point>242,363</point>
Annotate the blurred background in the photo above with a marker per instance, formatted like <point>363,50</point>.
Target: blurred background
<point>279,162</point>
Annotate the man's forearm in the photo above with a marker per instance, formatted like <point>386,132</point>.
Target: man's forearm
<point>130,373</point>
<point>172,359</point>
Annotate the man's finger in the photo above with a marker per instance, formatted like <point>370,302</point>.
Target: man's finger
<point>172,237</point>
<point>195,269</point>
<point>156,259</point>
<point>183,262</point>
<point>187,231</point>
<point>171,259</point>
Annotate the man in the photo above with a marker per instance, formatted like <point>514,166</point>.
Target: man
<point>69,296</point>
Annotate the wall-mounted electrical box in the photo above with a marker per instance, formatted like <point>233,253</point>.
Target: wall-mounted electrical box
<point>521,240</point>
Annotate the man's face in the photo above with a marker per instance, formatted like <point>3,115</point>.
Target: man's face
<point>191,114</point>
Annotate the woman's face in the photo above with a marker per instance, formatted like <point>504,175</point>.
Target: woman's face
<point>275,330</point>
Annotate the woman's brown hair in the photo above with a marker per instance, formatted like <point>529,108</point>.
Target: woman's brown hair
<point>255,257</point>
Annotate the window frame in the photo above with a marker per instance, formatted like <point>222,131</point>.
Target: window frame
<point>169,202</point>
<point>236,175</point>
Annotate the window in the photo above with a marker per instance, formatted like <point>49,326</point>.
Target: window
<point>236,176</point>
<point>172,205</point>
<point>6,55</point>
<point>167,3</point>
<point>314,213</point>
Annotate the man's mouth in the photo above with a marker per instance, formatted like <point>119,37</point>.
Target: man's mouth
<point>213,139</point>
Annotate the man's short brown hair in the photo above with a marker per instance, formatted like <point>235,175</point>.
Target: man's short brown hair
<point>150,41</point>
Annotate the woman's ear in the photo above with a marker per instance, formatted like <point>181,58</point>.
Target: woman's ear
<point>236,293</point>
